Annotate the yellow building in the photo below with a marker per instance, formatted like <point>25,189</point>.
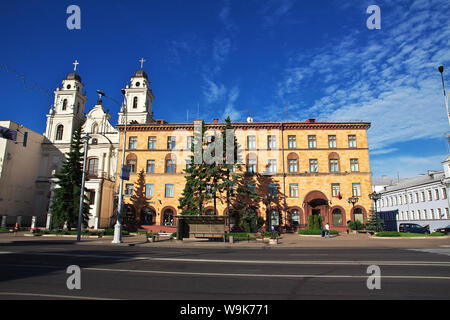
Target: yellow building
<point>315,167</point>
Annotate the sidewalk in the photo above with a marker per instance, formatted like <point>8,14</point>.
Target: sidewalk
<point>286,241</point>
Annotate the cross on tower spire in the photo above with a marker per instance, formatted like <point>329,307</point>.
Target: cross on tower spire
<point>76,63</point>
<point>142,63</point>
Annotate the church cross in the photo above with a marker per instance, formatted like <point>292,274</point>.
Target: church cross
<point>76,63</point>
<point>142,63</point>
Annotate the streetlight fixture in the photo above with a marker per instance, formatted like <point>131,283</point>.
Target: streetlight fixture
<point>83,180</point>
<point>118,225</point>
<point>353,200</point>
<point>441,70</point>
<point>374,196</point>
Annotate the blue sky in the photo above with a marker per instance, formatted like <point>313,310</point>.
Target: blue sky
<point>246,57</point>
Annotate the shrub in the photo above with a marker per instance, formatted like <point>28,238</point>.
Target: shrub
<point>388,234</point>
<point>437,234</point>
<point>359,225</point>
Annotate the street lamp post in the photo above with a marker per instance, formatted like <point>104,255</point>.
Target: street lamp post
<point>83,180</point>
<point>375,197</point>
<point>353,200</point>
<point>268,198</point>
<point>441,70</point>
<point>118,225</point>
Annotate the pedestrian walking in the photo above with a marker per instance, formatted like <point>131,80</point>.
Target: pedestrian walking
<point>327,230</point>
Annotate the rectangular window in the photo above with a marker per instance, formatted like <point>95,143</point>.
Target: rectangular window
<point>334,165</point>
<point>447,216</point>
<point>190,140</point>
<point>170,166</point>
<point>439,213</point>
<point>354,165</point>
<point>444,193</point>
<point>416,195</point>
<point>251,142</point>
<point>251,166</point>
<point>272,168</point>
<point>170,143</point>
<point>352,141</point>
<point>150,166</point>
<point>91,197</point>
<point>273,190</point>
<point>436,192</point>
<point>292,142</point>
<point>292,165</point>
<point>149,190</point>
<point>430,197</point>
<point>169,191</point>
<point>335,189</point>
<point>151,143</point>
<point>129,189</point>
<point>356,189</point>
<point>422,196</point>
<point>271,142</point>
<point>332,142</point>
<point>293,190</point>
<point>313,165</point>
<point>312,144</point>
<point>132,165</point>
<point>132,143</point>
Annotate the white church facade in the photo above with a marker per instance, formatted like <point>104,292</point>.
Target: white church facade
<point>48,153</point>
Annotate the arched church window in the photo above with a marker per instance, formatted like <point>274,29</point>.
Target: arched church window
<point>135,101</point>
<point>94,128</point>
<point>59,132</point>
<point>64,106</point>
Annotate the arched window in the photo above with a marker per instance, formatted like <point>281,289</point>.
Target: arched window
<point>135,102</point>
<point>148,216</point>
<point>274,218</point>
<point>210,212</point>
<point>170,163</point>
<point>333,159</point>
<point>93,166</point>
<point>64,106</point>
<point>59,132</point>
<point>94,128</point>
<point>168,217</point>
<point>251,162</point>
<point>295,217</point>
<point>358,215</point>
<point>131,162</point>
<point>292,162</point>
<point>337,217</point>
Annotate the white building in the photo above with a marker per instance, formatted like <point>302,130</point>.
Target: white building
<point>27,173</point>
<point>19,167</point>
<point>422,200</point>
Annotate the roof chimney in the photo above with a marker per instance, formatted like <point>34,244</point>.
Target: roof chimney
<point>311,121</point>
<point>216,120</point>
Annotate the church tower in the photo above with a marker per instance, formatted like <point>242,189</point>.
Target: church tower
<point>67,111</point>
<point>138,98</point>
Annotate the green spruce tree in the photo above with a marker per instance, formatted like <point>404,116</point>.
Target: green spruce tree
<point>138,199</point>
<point>66,197</point>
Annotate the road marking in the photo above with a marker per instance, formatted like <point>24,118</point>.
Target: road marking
<point>50,296</point>
<point>310,262</point>
<point>246,275</point>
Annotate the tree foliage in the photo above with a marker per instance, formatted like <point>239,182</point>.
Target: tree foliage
<point>66,197</point>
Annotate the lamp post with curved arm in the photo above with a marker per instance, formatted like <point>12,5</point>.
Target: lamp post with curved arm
<point>80,210</point>
<point>118,225</point>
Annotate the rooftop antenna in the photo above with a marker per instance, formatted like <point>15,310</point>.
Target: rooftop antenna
<point>198,110</point>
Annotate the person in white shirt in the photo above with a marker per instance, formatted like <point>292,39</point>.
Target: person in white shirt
<point>327,230</point>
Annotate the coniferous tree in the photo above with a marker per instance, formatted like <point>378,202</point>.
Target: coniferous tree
<point>375,223</point>
<point>66,197</point>
<point>195,191</point>
<point>138,199</point>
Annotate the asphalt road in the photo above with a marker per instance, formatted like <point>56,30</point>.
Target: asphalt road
<point>37,270</point>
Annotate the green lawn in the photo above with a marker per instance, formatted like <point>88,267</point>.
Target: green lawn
<point>406,234</point>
